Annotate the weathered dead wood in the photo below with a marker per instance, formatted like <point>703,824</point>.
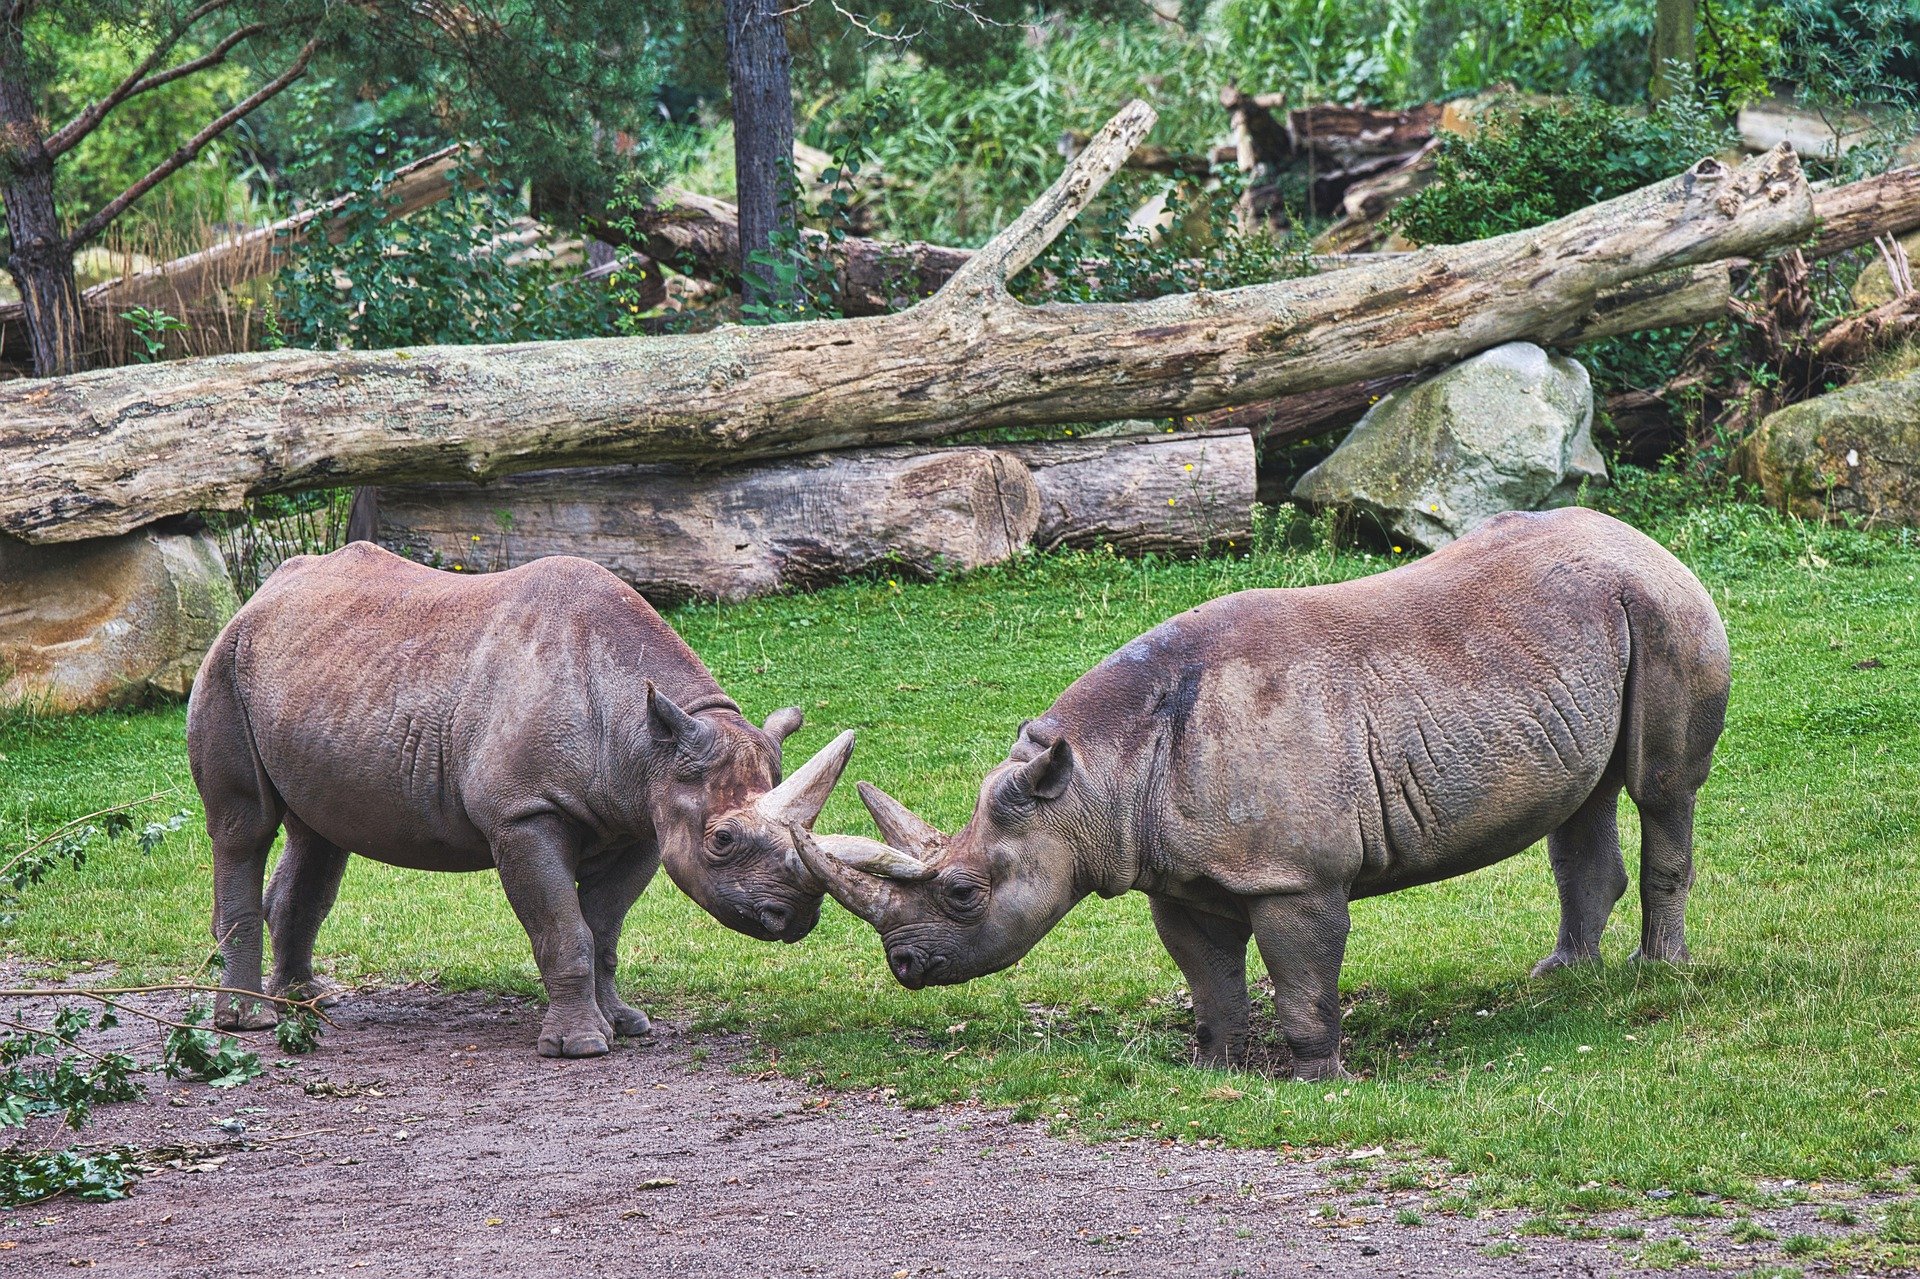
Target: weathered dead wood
<point>678,533</point>
<point>1175,493</point>
<point>675,533</point>
<point>1765,124</point>
<point>1852,213</point>
<point>1301,416</point>
<point>101,452</point>
<point>1679,298</point>
<point>700,235</point>
<point>1854,338</point>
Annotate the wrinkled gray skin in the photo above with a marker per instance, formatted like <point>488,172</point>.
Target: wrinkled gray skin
<point>544,722</point>
<point>1256,764</point>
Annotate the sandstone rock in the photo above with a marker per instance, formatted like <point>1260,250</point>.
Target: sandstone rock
<point>1854,451</point>
<point>110,621</point>
<point>1508,430</point>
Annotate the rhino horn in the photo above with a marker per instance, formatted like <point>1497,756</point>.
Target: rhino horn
<point>799,799</point>
<point>898,824</point>
<point>841,863</point>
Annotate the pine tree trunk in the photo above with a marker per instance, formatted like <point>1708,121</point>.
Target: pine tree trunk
<point>761,71</point>
<point>40,259</point>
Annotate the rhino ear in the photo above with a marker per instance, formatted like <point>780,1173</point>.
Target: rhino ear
<point>668,725</point>
<point>783,723</point>
<point>1047,774</point>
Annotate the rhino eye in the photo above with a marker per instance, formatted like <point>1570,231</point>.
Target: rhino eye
<point>722,841</point>
<point>964,896</point>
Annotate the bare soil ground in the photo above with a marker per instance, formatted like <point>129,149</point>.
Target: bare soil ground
<point>425,1138</point>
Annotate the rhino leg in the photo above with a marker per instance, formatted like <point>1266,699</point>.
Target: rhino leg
<point>299,896</point>
<point>1211,951</point>
<point>607,893</point>
<point>1666,876</point>
<point>536,863</point>
<point>1303,940</point>
<point>241,827</point>
<point>1585,854</point>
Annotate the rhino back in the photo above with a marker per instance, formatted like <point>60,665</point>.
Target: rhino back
<point>1392,730</point>
<point>403,712</point>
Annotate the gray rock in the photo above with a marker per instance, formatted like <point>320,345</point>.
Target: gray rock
<point>1508,430</point>
<point>109,621</point>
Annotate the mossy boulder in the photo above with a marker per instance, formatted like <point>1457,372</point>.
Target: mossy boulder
<point>1509,430</point>
<point>1853,452</point>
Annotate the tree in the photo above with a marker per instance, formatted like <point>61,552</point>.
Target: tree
<point>760,71</point>
<point>573,74</point>
<point>1673,47</point>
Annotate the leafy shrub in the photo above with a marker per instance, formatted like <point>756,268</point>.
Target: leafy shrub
<point>194,1052</point>
<point>1532,164</point>
<point>442,275</point>
<point>27,1177</point>
<point>963,156</point>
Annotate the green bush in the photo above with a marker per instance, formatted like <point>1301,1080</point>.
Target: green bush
<point>1529,165</point>
<point>438,276</point>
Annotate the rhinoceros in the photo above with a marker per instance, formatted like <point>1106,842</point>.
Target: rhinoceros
<point>1259,762</point>
<point>543,722</point>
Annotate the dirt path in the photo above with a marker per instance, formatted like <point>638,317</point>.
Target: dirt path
<point>425,1138</point>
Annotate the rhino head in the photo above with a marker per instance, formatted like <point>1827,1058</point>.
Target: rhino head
<point>949,909</point>
<point>725,819</point>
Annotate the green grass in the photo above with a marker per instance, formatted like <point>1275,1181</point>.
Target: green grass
<point>1787,1050</point>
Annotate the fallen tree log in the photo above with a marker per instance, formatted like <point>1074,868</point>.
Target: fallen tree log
<point>1852,213</point>
<point>1173,493</point>
<point>700,235</point>
<point>675,533</point>
<point>103,452</point>
<point>1679,298</point>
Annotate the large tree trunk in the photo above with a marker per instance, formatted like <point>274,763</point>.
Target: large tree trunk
<point>761,74</point>
<point>109,451</point>
<point>40,257</point>
<point>1175,494</point>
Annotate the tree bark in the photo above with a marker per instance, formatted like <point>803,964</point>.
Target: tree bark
<point>760,71</point>
<point>1852,213</point>
<point>112,450</point>
<point>1673,47</point>
<point>40,256</point>
<point>1178,493</point>
<point>676,533</point>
